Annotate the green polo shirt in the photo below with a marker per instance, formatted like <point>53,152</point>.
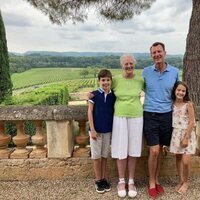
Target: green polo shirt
<point>127,92</point>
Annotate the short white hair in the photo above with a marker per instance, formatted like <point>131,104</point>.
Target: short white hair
<point>127,55</point>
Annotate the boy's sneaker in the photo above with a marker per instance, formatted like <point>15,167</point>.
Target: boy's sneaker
<point>99,187</point>
<point>106,185</point>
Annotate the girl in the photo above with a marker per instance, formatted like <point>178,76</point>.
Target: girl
<point>183,142</point>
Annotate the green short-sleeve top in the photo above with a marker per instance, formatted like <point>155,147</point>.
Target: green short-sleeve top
<point>127,92</point>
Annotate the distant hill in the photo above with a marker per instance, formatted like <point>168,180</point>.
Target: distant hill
<point>82,54</point>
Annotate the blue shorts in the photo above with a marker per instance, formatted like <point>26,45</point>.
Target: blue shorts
<point>157,128</point>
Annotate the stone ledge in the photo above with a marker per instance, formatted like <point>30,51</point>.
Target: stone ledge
<point>59,112</point>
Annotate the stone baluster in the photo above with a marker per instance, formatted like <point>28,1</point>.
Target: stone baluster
<point>4,141</point>
<point>82,140</point>
<point>20,140</point>
<point>39,140</point>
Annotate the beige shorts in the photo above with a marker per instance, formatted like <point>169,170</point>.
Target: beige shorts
<point>101,146</point>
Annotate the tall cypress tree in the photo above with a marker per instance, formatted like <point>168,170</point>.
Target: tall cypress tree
<point>5,80</point>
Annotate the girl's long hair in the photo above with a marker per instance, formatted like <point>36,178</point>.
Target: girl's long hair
<point>186,98</point>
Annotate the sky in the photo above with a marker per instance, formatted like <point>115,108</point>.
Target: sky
<point>28,29</point>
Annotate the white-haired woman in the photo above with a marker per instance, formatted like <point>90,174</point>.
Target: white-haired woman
<point>127,123</point>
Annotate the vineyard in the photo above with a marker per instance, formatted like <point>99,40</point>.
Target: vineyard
<point>43,76</point>
<point>70,76</point>
<point>74,85</point>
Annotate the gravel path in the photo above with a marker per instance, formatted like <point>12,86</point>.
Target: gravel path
<point>78,189</point>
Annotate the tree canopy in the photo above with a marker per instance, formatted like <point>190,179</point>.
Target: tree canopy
<point>61,11</point>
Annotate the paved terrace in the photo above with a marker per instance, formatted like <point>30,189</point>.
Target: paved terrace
<point>83,189</point>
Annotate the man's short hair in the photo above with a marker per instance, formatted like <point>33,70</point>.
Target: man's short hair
<point>156,44</point>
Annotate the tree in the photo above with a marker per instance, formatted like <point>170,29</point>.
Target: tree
<point>84,72</point>
<point>5,80</point>
<point>191,61</point>
<point>93,70</point>
<point>60,11</point>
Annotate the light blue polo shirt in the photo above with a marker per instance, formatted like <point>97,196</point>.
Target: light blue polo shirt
<point>158,87</point>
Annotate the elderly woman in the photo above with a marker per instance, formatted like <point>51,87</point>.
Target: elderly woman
<point>127,123</point>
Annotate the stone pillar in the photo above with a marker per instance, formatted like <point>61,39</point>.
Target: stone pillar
<point>39,140</point>
<point>4,141</point>
<point>20,140</point>
<point>82,140</point>
<point>60,141</point>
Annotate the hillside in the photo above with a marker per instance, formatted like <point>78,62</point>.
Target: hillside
<point>83,54</point>
<point>44,59</point>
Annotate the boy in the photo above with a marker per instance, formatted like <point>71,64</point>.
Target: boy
<point>100,117</point>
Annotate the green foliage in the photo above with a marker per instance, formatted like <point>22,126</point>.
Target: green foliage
<point>5,81</point>
<point>49,95</point>
<point>84,72</point>
<point>20,64</point>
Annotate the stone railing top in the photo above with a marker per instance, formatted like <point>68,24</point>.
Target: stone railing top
<point>49,112</point>
<point>43,112</point>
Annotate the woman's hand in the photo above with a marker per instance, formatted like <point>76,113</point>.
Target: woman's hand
<point>90,95</point>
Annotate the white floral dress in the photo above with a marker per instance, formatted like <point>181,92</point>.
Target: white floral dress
<point>180,123</point>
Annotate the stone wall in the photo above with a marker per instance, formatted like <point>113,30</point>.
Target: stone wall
<point>35,169</point>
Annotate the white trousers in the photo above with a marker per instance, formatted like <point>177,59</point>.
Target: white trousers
<point>127,135</point>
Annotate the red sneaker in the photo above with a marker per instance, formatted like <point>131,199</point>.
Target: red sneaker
<point>152,193</point>
<point>159,189</point>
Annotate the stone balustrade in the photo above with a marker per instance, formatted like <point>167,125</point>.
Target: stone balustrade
<point>53,154</point>
<point>58,142</point>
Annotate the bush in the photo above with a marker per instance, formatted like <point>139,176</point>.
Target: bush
<point>50,95</point>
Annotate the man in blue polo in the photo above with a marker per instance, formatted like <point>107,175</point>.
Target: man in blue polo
<point>159,81</point>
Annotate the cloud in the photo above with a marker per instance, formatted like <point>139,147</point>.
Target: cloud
<point>13,19</point>
<point>29,29</point>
